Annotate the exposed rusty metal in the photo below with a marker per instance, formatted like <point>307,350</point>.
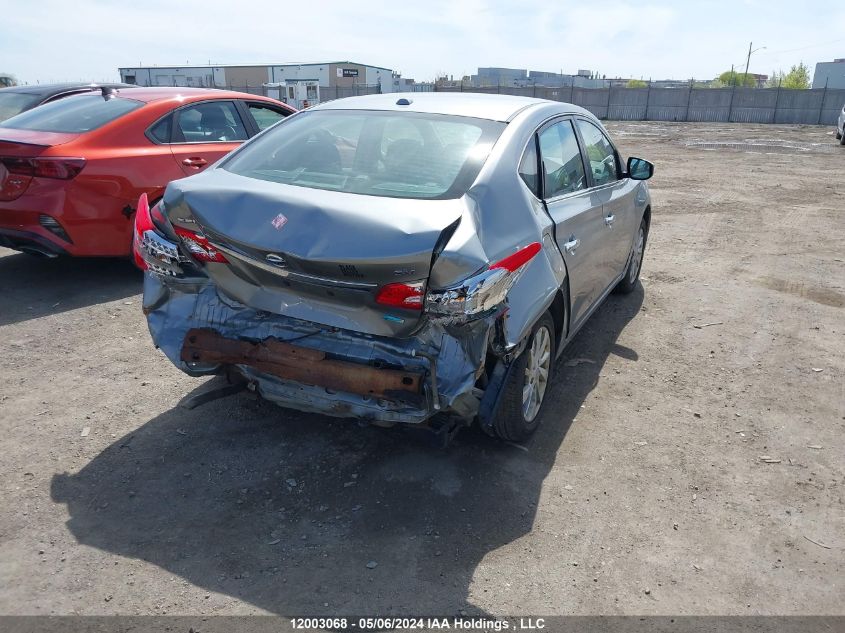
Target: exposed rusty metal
<point>299,364</point>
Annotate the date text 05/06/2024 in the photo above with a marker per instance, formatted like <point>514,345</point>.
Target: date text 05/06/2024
<point>422,624</point>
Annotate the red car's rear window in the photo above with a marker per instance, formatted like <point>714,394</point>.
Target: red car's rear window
<point>73,115</point>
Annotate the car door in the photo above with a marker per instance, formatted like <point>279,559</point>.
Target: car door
<point>617,195</point>
<point>204,132</point>
<point>576,212</point>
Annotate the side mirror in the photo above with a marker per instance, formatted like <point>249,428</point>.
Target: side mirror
<point>639,169</point>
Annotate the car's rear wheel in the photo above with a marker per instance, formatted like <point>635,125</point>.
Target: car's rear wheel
<point>838,134</point>
<point>635,262</point>
<point>842,137</point>
<point>525,391</point>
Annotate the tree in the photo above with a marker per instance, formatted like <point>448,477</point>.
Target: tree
<point>798,77</point>
<point>776,79</point>
<point>636,83</point>
<point>731,78</point>
<point>7,80</point>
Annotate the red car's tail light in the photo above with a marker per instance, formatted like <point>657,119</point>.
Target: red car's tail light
<point>199,247</point>
<point>399,295</point>
<point>57,168</point>
<point>483,292</point>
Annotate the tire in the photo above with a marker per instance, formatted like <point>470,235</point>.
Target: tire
<point>516,420</point>
<point>842,137</point>
<point>635,262</point>
<point>838,135</point>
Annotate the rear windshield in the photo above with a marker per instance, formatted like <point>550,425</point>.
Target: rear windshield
<point>392,154</point>
<point>73,115</point>
<point>12,103</point>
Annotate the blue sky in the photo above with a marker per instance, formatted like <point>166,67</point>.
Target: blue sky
<point>52,40</point>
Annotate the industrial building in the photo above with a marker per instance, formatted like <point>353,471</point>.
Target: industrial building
<point>522,77</point>
<point>830,74</point>
<point>340,74</point>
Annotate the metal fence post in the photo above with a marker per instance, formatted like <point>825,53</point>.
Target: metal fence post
<point>647,100</point>
<point>821,106</point>
<point>731,104</point>
<point>777,100</point>
<point>689,99</point>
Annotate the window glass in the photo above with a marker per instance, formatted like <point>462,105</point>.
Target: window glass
<point>12,103</point>
<point>600,153</point>
<point>264,116</point>
<point>403,155</point>
<point>528,168</point>
<point>73,115</point>
<point>562,165</point>
<point>210,122</point>
<point>161,130</point>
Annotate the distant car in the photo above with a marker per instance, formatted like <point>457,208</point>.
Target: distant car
<point>71,171</point>
<point>840,127</point>
<point>390,257</point>
<point>19,99</point>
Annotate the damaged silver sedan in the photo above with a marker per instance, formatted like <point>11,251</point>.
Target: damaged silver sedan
<point>392,257</point>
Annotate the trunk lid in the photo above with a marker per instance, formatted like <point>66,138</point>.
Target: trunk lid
<point>21,144</point>
<point>313,254</point>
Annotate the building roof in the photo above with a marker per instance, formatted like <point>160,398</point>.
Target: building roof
<point>477,105</point>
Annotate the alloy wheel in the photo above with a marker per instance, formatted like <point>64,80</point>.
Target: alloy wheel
<point>637,257</point>
<point>536,373</point>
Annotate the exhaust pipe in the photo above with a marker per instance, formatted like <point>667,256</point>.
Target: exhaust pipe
<point>37,251</point>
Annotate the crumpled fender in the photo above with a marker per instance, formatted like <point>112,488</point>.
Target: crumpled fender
<point>533,293</point>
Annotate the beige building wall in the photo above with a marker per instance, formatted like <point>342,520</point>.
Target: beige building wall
<point>334,80</point>
<point>240,76</point>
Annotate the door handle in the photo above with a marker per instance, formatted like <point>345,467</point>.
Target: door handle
<point>195,162</point>
<point>571,245</point>
<point>609,220</point>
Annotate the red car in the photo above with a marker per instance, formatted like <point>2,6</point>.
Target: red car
<point>71,172</point>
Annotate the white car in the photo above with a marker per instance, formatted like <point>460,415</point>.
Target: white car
<point>840,127</point>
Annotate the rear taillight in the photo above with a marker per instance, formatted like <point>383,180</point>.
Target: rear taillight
<point>199,247</point>
<point>56,168</point>
<point>483,292</point>
<point>143,223</point>
<point>151,250</point>
<point>399,295</point>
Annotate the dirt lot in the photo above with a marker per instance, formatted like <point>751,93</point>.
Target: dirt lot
<point>643,493</point>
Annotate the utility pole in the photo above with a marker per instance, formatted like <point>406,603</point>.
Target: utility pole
<point>747,62</point>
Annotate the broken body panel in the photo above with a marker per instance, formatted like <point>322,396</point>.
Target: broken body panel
<point>310,334</point>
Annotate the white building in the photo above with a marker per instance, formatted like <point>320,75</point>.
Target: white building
<point>340,74</point>
<point>830,74</point>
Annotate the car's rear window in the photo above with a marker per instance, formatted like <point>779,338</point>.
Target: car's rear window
<point>392,154</point>
<point>12,103</point>
<point>73,115</point>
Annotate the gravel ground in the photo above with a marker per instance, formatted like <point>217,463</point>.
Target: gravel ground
<point>690,459</point>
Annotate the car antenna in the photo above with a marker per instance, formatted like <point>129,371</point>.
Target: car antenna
<point>108,93</point>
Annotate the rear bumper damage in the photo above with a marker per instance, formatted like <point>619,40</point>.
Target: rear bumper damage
<point>315,368</point>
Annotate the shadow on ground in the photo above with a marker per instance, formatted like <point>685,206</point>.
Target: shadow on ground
<point>285,510</point>
<point>33,287</point>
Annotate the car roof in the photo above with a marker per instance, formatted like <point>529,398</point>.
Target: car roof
<point>481,106</point>
<point>161,93</point>
<point>49,90</point>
